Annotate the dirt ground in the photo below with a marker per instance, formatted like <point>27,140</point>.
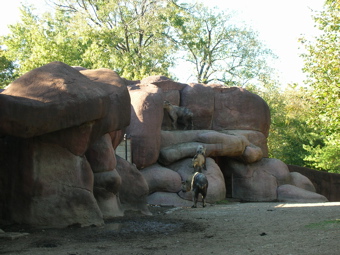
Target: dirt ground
<point>230,228</point>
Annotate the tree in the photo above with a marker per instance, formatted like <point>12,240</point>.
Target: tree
<point>7,70</point>
<point>289,132</point>
<point>220,50</point>
<point>321,64</point>
<point>35,41</point>
<point>127,36</point>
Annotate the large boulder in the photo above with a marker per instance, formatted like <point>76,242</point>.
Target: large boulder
<point>251,182</point>
<point>258,181</point>
<point>45,185</point>
<point>183,144</point>
<point>199,98</point>
<point>219,144</point>
<point>219,108</point>
<point>292,194</point>
<point>325,183</point>
<point>168,199</point>
<point>50,118</point>
<point>134,189</point>
<point>57,96</point>
<point>269,180</point>
<point>301,181</point>
<point>254,137</point>
<point>101,155</point>
<point>161,179</point>
<point>107,181</point>
<point>145,126</point>
<point>105,189</point>
<point>237,108</point>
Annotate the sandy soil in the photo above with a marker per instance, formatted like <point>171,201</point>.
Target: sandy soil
<point>231,228</point>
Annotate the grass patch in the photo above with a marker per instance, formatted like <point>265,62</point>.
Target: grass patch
<point>327,224</point>
<point>222,202</point>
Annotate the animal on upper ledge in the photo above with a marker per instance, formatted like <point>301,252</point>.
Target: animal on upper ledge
<point>179,115</point>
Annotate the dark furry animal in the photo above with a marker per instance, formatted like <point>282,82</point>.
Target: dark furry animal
<point>197,184</point>
<point>179,115</point>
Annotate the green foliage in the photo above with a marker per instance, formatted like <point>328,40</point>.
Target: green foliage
<point>323,69</point>
<point>36,41</point>
<point>289,131</point>
<point>136,38</point>
<point>127,36</point>
<point>327,224</point>
<point>7,70</point>
<point>220,50</point>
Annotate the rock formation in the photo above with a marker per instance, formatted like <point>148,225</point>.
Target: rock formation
<point>60,127</point>
<point>232,124</point>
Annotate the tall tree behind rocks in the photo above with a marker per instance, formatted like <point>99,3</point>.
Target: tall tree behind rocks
<point>137,38</point>
<point>218,49</point>
<point>323,76</point>
<point>127,36</point>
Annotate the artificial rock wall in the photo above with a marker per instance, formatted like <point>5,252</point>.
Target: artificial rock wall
<point>60,126</point>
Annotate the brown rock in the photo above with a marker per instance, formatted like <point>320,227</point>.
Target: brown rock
<point>290,193</point>
<point>301,181</point>
<point>163,83</point>
<point>172,96</point>
<point>257,181</point>
<point>57,96</point>
<point>119,111</point>
<point>199,98</point>
<point>145,127</point>
<point>216,144</point>
<point>276,168</point>
<point>117,137</point>
<point>259,187</point>
<point>108,203</point>
<point>134,189</point>
<point>106,187</point>
<point>154,78</point>
<point>326,184</point>
<point>177,152</point>
<point>219,144</point>
<point>254,137</point>
<point>237,108</point>
<point>110,181</point>
<point>161,179</point>
<point>251,154</point>
<point>54,188</point>
<point>168,199</point>
<point>169,138</point>
<point>101,155</point>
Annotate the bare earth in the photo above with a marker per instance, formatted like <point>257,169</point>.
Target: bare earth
<point>232,228</point>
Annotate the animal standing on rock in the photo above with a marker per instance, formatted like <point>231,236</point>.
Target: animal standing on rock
<point>198,163</point>
<point>197,184</point>
<point>179,115</point>
<point>200,150</point>
<point>199,160</point>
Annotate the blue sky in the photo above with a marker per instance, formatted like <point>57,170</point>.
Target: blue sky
<point>279,23</point>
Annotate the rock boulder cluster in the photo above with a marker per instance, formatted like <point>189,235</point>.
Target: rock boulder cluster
<point>60,127</point>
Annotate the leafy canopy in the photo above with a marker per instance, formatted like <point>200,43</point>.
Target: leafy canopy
<point>220,50</point>
<point>137,38</point>
<point>323,70</point>
<point>127,36</point>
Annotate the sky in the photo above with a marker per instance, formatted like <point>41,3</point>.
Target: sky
<point>279,24</point>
